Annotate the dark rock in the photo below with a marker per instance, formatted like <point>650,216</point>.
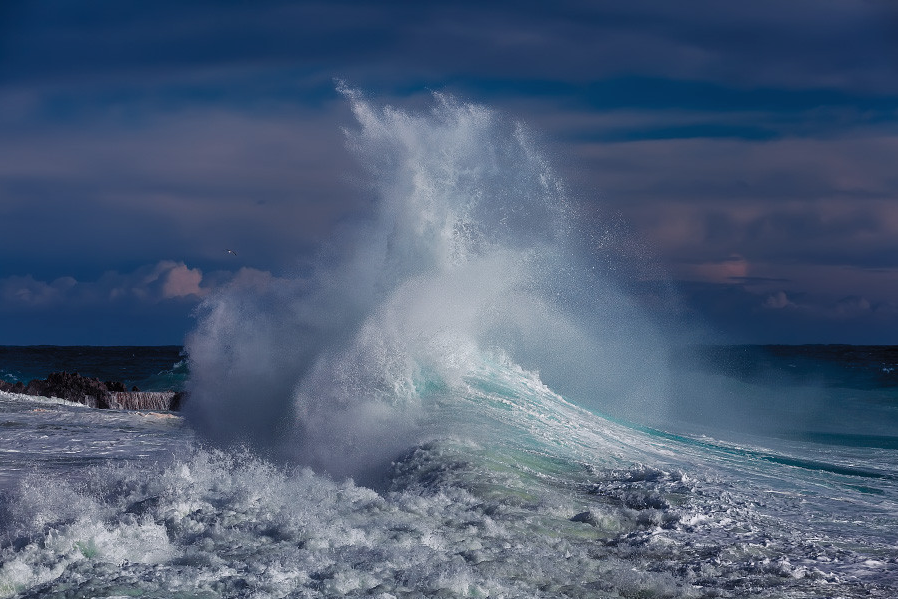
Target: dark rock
<point>587,517</point>
<point>143,506</point>
<point>115,386</point>
<point>177,401</point>
<point>71,387</point>
<point>135,388</point>
<point>96,394</point>
<point>643,500</point>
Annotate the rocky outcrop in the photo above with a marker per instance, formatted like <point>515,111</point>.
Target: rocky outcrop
<point>95,393</point>
<point>587,517</point>
<point>71,387</point>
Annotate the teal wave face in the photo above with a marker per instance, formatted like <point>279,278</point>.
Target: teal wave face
<point>849,440</point>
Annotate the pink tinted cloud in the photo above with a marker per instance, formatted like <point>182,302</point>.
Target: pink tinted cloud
<point>166,280</point>
<point>723,271</point>
<point>182,281</point>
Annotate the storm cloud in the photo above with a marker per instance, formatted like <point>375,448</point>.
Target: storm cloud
<point>750,147</point>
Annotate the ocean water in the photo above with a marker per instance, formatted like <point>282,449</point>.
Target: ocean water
<point>475,394</point>
<point>154,368</point>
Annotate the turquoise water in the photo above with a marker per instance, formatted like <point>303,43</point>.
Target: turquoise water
<point>473,393</point>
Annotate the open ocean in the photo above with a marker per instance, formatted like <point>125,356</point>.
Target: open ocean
<point>468,397</point>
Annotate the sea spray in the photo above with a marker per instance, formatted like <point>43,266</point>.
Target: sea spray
<point>473,247</point>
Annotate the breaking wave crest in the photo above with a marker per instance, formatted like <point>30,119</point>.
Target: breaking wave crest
<point>472,248</point>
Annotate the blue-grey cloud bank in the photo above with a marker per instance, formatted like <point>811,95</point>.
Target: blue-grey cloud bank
<point>749,148</point>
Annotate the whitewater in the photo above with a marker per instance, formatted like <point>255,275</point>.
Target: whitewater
<point>474,394</point>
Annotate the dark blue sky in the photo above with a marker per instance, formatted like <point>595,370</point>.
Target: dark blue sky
<point>751,147</point>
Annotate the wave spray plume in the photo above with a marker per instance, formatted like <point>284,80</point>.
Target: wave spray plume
<point>472,250</point>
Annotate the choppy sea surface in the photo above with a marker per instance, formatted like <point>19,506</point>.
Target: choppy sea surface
<point>478,388</point>
<point>515,492</point>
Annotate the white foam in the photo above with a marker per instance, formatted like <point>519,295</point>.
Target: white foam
<point>485,512</point>
<point>38,399</point>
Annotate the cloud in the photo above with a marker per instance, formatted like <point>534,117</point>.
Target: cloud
<point>778,301</point>
<point>841,44</point>
<point>192,182</point>
<point>800,202</point>
<point>733,313</point>
<point>164,281</point>
<point>26,290</point>
<point>168,129</point>
<point>817,289</point>
<point>182,281</point>
<point>852,306</point>
<point>251,278</point>
<point>734,267</point>
<point>152,304</point>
